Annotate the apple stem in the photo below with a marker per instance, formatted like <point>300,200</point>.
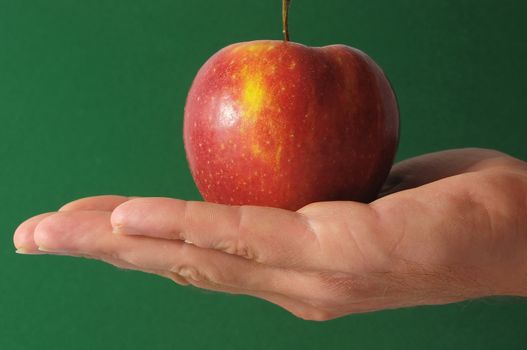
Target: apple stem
<point>285,17</point>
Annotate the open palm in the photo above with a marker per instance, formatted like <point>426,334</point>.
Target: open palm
<point>448,226</point>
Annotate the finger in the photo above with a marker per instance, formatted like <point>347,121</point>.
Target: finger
<point>23,236</point>
<point>89,233</point>
<point>24,242</point>
<point>288,289</point>
<point>420,170</point>
<point>298,308</point>
<point>266,235</point>
<point>119,263</point>
<point>104,203</point>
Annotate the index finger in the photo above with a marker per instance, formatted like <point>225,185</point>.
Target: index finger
<point>267,235</point>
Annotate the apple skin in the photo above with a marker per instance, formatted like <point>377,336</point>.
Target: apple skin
<point>280,124</point>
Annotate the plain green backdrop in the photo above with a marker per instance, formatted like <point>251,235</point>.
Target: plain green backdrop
<point>91,102</point>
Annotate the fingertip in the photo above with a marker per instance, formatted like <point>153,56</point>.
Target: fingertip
<point>56,230</point>
<point>44,231</point>
<point>140,215</point>
<point>23,236</point>
<point>25,251</point>
<point>118,215</point>
<point>124,213</point>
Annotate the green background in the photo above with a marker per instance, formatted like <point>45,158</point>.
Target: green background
<point>91,102</point>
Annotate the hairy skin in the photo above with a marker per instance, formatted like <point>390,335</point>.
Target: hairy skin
<point>448,226</point>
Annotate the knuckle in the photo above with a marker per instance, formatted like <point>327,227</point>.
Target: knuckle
<point>240,245</point>
<point>178,279</point>
<point>191,275</point>
<point>241,248</point>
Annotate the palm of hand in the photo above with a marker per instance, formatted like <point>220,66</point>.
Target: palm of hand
<point>445,228</point>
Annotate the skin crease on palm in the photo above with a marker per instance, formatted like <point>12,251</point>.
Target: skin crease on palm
<point>448,226</point>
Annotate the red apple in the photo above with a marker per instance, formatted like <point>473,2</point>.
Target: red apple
<point>280,124</point>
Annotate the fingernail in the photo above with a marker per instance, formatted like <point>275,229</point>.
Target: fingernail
<point>119,229</point>
<point>48,250</point>
<point>25,251</point>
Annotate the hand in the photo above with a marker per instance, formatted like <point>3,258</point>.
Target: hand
<point>448,226</point>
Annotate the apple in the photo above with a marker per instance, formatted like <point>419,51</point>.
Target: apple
<point>276,123</point>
